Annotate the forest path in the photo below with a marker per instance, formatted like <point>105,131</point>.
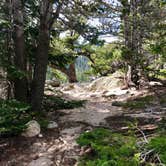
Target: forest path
<point>99,111</point>
<point>96,108</point>
<point>99,104</point>
<point>58,147</point>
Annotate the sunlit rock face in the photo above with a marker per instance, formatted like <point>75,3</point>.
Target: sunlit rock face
<point>107,83</point>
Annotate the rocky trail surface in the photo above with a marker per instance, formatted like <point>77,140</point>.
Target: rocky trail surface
<point>58,147</point>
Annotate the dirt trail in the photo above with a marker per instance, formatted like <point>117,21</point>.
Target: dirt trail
<point>58,147</point>
<point>98,108</point>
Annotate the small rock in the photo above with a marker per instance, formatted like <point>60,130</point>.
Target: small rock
<point>116,92</point>
<point>42,161</point>
<point>154,83</point>
<point>52,125</point>
<point>112,96</point>
<point>40,135</point>
<point>69,87</point>
<point>32,130</point>
<point>71,131</point>
<point>53,83</point>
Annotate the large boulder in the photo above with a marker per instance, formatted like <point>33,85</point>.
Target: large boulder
<point>107,83</point>
<point>32,130</point>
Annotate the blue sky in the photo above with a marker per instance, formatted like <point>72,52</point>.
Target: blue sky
<point>108,38</point>
<point>96,23</point>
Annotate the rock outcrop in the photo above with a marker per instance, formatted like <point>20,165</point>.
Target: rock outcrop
<point>107,83</point>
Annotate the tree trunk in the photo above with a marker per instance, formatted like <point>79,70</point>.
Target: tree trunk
<point>131,36</point>
<point>9,48</point>
<point>29,79</point>
<point>40,70</point>
<point>47,18</point>
<point>127,43</point>
<point>41,60</point>
<point>20,82</point>
<point>71,73</point>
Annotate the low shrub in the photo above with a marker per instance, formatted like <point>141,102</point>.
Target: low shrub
<point>13,117</point>
<point>139,103</point>
<point>109,149</point>
<point>114,149</point>
<point>57,103</point>
<point>158,145</point>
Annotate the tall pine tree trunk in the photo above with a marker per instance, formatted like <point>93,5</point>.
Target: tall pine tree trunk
<point>20,82</point>
<point>9,50</point>
<point>71,73</point>
<point>127,43</point>
<point>131,37</point>
<point>41,60</point>
<point>47,18</point>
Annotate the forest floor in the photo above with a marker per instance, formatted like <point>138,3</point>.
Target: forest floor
<point>58,146</point>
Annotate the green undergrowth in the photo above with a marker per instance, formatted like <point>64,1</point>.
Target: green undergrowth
<point>138,103</point>
<point>57,103</point>
<point>158,144</point>
<point>14,114</point>
<point>41,117</point>
<point>109,149</point>
<point>13,117</point>
<point>115,149</point>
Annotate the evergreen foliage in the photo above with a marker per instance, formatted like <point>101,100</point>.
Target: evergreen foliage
<point>159,146</point>
<point>13,117</point>
<point>109,149</point>
<point>113,149</point>
<point>57,103</point>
